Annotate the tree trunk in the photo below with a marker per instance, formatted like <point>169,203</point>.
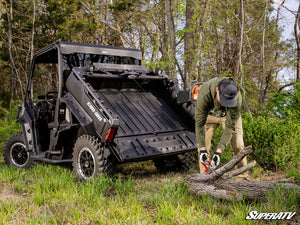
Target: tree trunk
<point>164,38</point>
<point>33,31</point>
<point>189,45</point>
<point>216,185</point>
<point>203,8</point>
<point>11,58</point>
<point>240,54</point>
<point>297,37</point>
<point>261,92</point>
<point>239,43</point>
<point>171,40</point>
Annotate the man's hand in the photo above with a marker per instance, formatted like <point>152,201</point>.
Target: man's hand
<point>203,156</point>
<point>216,159</point>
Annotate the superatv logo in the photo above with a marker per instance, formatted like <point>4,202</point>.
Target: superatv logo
<point>254,215</point>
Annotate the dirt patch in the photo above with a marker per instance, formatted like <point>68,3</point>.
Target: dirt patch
<point>273,176</point>
<point>8,195</point>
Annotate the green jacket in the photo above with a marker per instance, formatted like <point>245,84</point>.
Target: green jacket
<point>206,102</point>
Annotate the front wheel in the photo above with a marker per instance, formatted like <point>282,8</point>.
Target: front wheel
<point>15,153</point>
<point>88,158</point>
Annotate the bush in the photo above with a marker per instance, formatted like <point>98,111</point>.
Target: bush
<point>275,134</point>
<point>8,124</point>
<point>275,141</point>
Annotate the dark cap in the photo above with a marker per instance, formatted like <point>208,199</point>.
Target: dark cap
<point>228,91</point>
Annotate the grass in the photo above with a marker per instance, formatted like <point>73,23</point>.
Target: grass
<point>48,194</point>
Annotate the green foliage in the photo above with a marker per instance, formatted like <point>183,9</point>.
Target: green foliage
<point>143,24</point>
<point>8,123</point>
<point>293,173</point>
<point>276,141</point>
<point>275,133</point>
<point>122,5</point>
<point>285,104</point>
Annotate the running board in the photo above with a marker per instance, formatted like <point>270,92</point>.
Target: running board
<point>41,157</point>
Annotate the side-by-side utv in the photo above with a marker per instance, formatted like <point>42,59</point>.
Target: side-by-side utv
<point>96,106</point>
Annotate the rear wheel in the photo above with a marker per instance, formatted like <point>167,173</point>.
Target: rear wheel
<point>88,158</point>
<point>15,153</point>
<point>177,163</point>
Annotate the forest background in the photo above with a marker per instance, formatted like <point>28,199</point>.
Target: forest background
<point>188,39</point>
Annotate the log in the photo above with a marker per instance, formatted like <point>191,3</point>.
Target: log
<point>237,190</point>
<point>239,171</point>
<point>216,184</point>
<point>206,189</point>
<point>256,189</point>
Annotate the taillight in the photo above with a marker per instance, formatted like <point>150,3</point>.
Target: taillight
<point>111,134</point>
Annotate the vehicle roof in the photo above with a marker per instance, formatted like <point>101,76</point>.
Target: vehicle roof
<point>72,47</point>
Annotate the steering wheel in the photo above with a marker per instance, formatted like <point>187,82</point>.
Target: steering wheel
<point>48,97</point>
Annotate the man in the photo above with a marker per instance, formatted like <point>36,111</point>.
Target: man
<point>219,103</point>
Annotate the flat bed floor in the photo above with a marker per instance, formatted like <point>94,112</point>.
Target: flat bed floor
<point>148,124</point>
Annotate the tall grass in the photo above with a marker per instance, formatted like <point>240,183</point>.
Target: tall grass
<point>49,194</point>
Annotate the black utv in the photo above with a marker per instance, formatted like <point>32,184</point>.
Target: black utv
<point>96,106</point>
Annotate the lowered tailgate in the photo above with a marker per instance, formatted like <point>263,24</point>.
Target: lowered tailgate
<point>149,126</point>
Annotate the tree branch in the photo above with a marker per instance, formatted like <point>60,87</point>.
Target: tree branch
<point>284,86</point>
<point>239,171</point>
<point>107,24</point>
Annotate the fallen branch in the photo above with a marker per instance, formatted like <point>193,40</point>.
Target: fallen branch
<point>239,171</point>
<point>217,184</point>
<point>210,178</point>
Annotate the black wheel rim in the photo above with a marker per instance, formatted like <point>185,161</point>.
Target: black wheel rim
<point>86,163</point>
<point>18,154</point>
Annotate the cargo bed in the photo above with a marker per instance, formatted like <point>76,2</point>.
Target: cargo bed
<point>149,126</point>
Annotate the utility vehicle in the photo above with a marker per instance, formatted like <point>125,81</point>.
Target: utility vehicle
<point>97,106</point>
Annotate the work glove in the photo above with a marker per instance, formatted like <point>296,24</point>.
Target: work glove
<point>203,156</point>
<point>216,159</point>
